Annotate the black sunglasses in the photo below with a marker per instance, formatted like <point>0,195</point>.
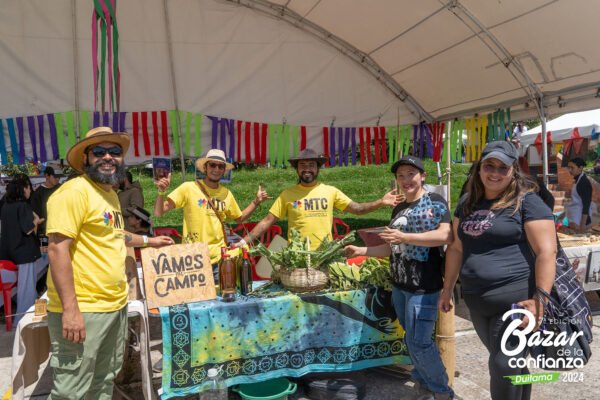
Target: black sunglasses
<point>99,151</point>
<point>215,165</point>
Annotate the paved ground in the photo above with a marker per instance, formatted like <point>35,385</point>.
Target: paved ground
<point>471,382</point>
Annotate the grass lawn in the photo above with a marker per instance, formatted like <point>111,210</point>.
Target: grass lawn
<point>360,183</point>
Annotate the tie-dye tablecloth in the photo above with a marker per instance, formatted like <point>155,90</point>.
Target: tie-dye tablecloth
<point>255,339</point>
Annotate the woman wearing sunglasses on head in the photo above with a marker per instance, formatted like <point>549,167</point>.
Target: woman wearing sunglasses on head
<point>206,204</point>
<point>504,248</point>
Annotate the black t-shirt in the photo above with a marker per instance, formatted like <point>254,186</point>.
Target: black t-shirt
<point>495,248</point>
<point>15,244</point>
<point>418,269</point>
<point>39,201</point>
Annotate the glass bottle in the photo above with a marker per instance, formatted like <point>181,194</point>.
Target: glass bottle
<point>227,276</point>
<point>216,390</point>
<point>245,273</point>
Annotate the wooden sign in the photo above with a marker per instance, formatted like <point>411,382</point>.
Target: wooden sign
<point>177,274</point>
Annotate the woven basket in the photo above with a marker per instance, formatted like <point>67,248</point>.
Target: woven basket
<point>303,279</point>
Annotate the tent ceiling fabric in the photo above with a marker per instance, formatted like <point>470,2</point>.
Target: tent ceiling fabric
<point>309,60</point>
<point>441,58</point>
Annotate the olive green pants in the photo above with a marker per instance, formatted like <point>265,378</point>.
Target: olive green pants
<point>87,370</point>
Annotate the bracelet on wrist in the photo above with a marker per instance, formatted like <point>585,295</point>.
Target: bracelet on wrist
<point>162,193</point>
<point>145,238</point>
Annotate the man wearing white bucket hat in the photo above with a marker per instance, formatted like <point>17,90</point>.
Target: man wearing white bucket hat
<point>206,203</point>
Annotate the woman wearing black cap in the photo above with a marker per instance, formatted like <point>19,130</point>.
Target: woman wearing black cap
<point>420,225</point>
<point>497,224</point>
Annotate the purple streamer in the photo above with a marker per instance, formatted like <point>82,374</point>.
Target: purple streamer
<point>42,146</point>
<point>415,142</point>
<point>332,146</point>
<point>122,121</point>
<point>429,137</point>
<point>53,137</point>
<point>96,122</point>
<point>32,137</point>
<point>115,122</point>
<point>231,125</point>
<point>105,119</point>
<point>223,134</point>
<point>346,146</point>
<point>353,137</point>
<point>421,141</point>
<point>341,146</point>
<point>215,126</point>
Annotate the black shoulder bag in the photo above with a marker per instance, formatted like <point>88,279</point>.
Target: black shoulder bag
<point>567,314</point>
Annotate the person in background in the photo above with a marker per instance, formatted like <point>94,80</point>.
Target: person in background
<point>139,221</point>
<point>206,204</point>
<point>579,209</point>
<point>597,166</point>
<point>504,248</point>
<point>420,225</point>
<point>87,285</point>
<point>39,198</point>
<point>18,242</point>
<point>131,194</point>
<point>309,205</point>
<point>518,131</point>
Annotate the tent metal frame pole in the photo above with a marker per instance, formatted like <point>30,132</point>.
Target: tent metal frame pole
<point>510,62</point>
<point>361,58</point>
<point>76,67</point>
<point>174,87</point>
<point>542,113</point>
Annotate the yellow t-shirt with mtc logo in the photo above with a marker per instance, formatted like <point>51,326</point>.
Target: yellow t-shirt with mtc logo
<point>200,224</point>
<point>91,216</point>
<point>310,210</point>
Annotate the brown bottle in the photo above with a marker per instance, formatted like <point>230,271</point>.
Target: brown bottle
<point>245,273</point>
<point>227,276</point>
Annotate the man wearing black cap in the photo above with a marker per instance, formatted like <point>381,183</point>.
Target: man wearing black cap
<point>40,197</point>
<point>309,204</point>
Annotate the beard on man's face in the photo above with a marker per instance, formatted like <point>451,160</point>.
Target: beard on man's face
<point>307,176</point>
<point>115,178</point>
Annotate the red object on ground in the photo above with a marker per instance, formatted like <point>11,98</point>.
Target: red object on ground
<point>7,291</point>
<point>167,231</point>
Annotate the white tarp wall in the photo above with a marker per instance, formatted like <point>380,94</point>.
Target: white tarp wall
<point>228,61</point>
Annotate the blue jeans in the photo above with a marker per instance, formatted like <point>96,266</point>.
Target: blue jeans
<point>417,314</point>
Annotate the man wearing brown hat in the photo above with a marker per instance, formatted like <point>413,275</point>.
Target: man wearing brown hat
<point>206,203</point>
<point>309,204</point>
<point>87,287</point>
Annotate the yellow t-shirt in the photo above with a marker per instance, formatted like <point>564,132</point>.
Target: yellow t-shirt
<point>200,224</point>
<point>310,210</point>
<point>92,217</point>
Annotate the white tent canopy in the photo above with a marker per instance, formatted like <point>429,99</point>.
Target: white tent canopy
<point>562,127</point>
<point>309,62</point>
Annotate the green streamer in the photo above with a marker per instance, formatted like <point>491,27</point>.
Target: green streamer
<point>273,132</point>
<point>295,142</point>
<point>188,133</point>
<point>71,128</point>
<point>392,143</point>
<point>198,137</point>
<point>174,130</point>
<point>60,136</point>
<point>509,123</point>
<point>84,117</point>
<point>284,148</point>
